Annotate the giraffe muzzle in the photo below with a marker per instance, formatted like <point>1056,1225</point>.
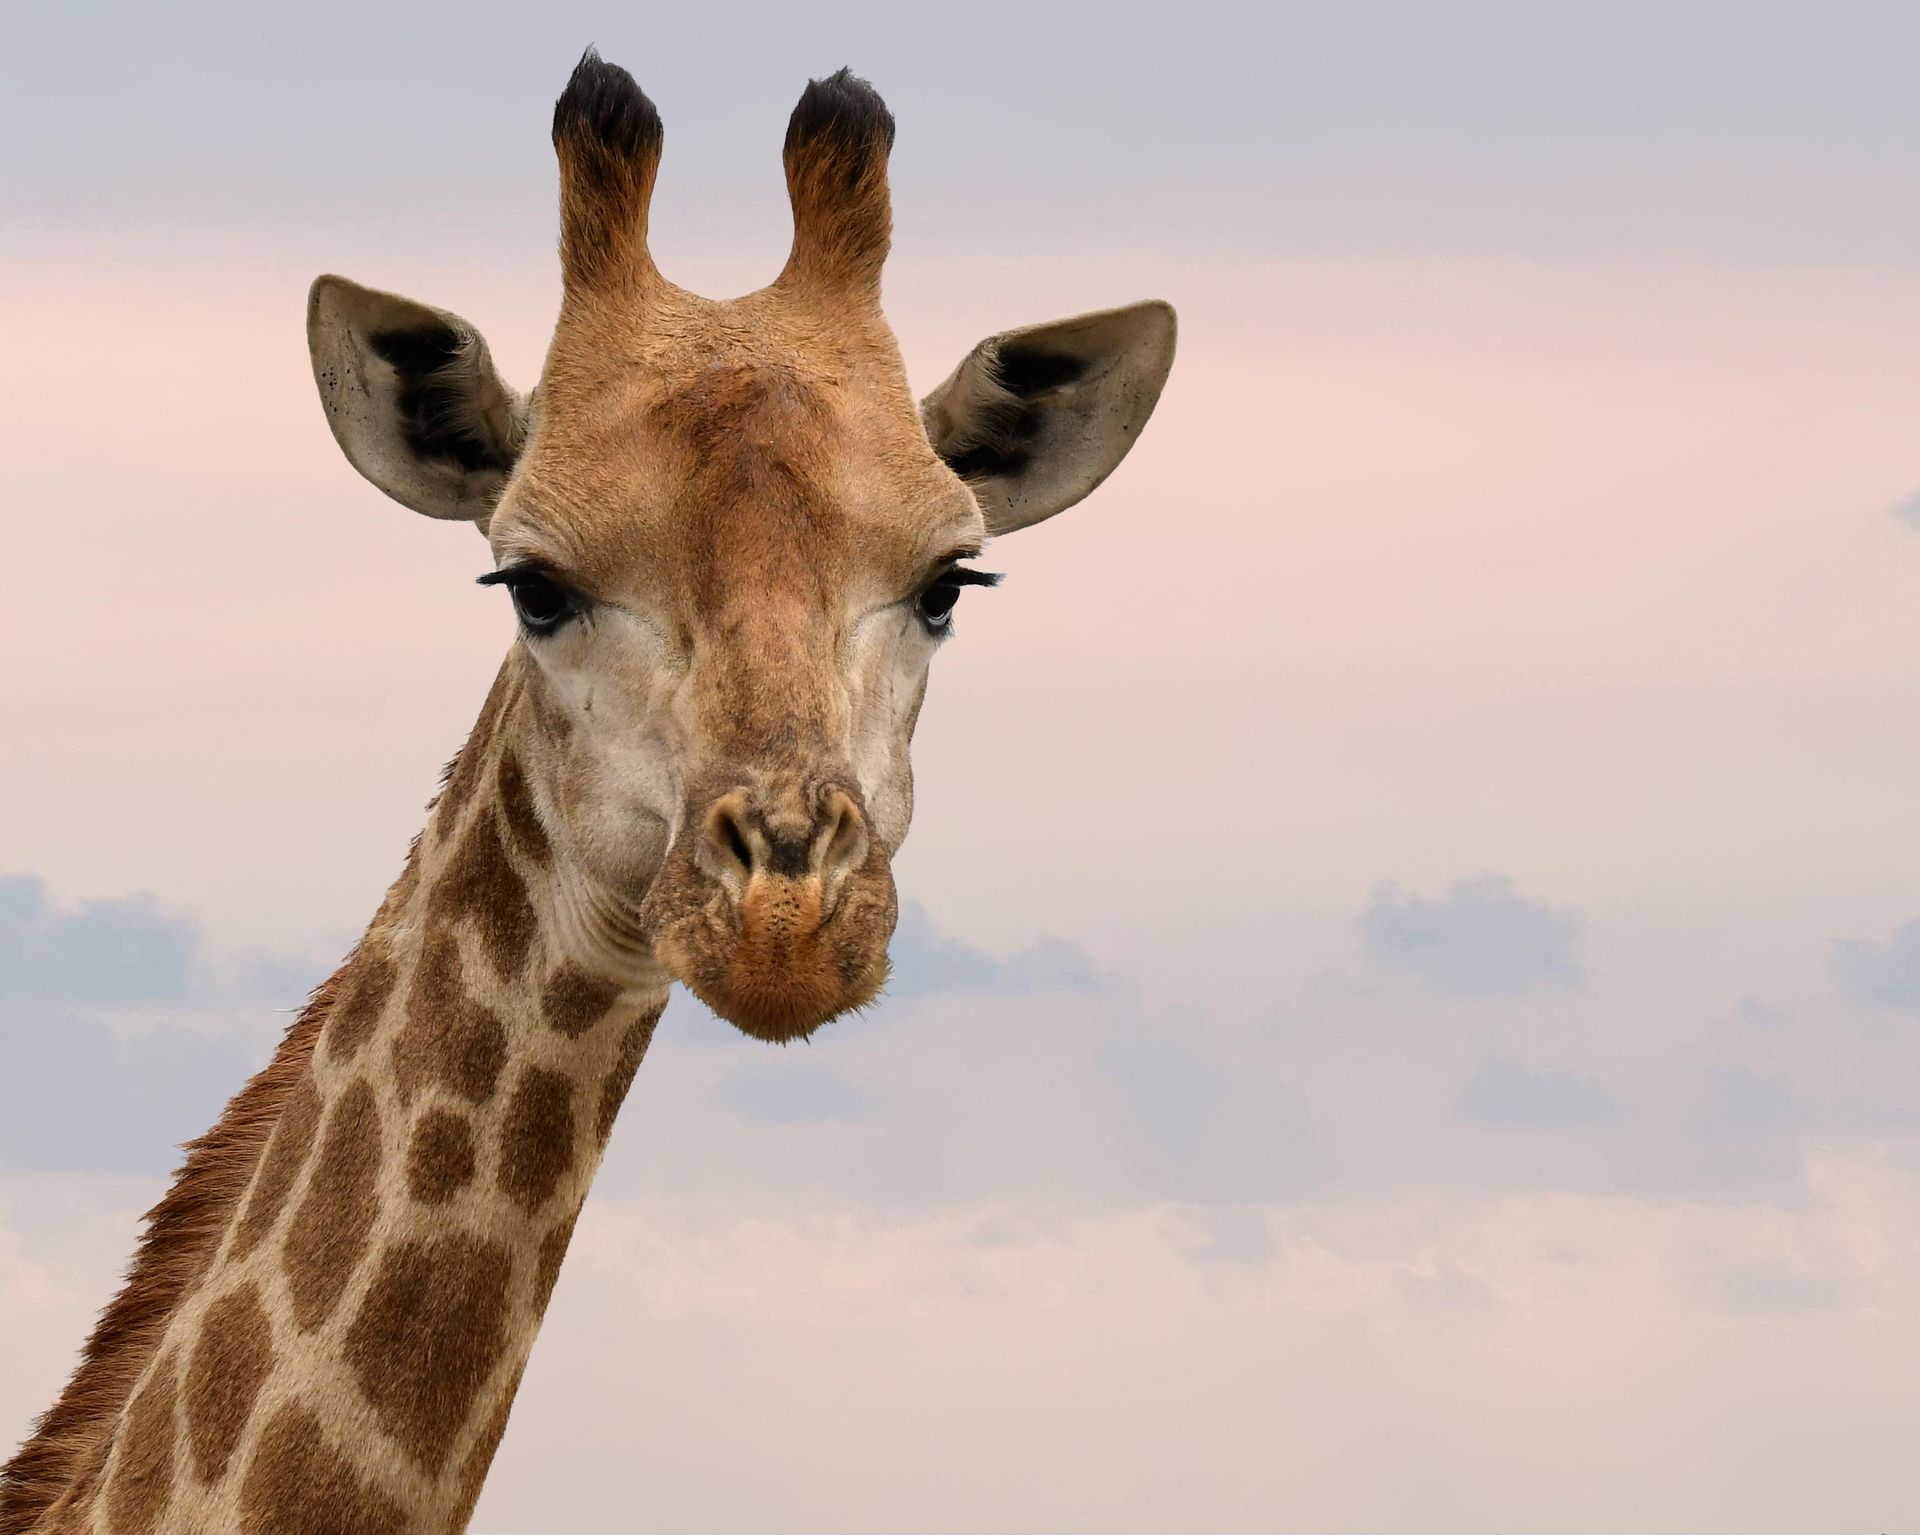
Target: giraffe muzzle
<point>776,912</point>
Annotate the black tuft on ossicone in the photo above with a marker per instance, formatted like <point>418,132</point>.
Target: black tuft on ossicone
<point>607,137</point>
<point>604,108</point>
<point>844,111</point>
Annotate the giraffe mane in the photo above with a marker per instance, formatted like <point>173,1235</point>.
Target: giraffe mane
<point>182,1232</point>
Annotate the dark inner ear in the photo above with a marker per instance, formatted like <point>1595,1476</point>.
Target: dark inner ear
<point>1027,371</point>
<point>435,371</point>
<point>1004,434</point>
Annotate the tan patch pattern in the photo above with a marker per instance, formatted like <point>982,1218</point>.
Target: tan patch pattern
<point>536,1138</point>
<point>229,1365</point>
<point>362,998</point>
<point>481,884</point>
<point>142,1484</point>
<point>286,1154</point>
<point>574,1001</point>
<point>330,1230</point>
<point>449,1038</point>
<point>299,1484</point>
<point>440,1157</point>
<point>613,1092</point>
<point>429,1333</point>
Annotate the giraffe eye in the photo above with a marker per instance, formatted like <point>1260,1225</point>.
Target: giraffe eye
<point>935,605</point>
<point>936,600</point>
<point>541,602</point>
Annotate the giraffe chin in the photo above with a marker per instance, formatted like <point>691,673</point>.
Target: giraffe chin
<point>769,964</point>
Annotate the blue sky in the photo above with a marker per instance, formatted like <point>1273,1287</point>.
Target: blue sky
<point>1561,131</point>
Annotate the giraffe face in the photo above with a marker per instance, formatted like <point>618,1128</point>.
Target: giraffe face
<point>734,555</point>
<point>733,541</point>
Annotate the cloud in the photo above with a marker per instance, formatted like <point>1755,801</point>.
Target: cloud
<point>1723,1130</point>
<point>1909,509</point>
<point>777,1333</point>
<point>121,1034</point>
<point>791,1091</point>
<point>104,952</point>
<point>1737,1106</point>
<point>927,963</point>
<point>1200,1129</point>
<point>1509,1094</point>
<point>74,1098</point>
<point>1481,939</point>
<point>1880,974</point>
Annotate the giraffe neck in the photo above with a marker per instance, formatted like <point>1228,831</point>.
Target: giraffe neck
<point>348,1357</point>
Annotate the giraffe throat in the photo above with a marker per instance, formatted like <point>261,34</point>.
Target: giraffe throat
<point>332,1311</point>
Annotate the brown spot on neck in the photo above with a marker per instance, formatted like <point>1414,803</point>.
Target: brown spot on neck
<point>449,1038</point>
<point>473,1471</point>
<point>368,983</point>
<point>224,1377</point>
<point>481,885</point>
<point>553,1252</point>
<point>286,1154</point>
<point>613,1092</point>
<point>142,1484</point>
<point>299,1484</point>
<point>330,1230</point>
<point>573,1001</point>
<point>536,1139</point>
<point>516,808</point>
<point>440,1159</point>
<point>431,1330</point>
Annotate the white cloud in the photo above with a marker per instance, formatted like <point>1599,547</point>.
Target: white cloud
<point>1542,1361</point>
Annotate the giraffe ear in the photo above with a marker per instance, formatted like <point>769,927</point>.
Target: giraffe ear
<point>413,399</point>
<point>1034,419</point>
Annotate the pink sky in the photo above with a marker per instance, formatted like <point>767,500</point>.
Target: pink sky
<point>1570,587</point>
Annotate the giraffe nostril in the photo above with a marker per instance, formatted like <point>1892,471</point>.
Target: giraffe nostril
<point>727,843</point>
<point>740,842</point>
<point>841,844</point>
<point>735,842</point>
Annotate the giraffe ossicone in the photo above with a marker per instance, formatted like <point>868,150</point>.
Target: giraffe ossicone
<point>734,542</point>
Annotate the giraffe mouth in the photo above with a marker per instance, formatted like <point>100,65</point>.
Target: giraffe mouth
<point>776,963</point>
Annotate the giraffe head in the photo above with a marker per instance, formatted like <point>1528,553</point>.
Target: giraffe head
<point>734,543</point>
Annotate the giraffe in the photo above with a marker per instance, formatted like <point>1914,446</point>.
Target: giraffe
<point>733,543</point>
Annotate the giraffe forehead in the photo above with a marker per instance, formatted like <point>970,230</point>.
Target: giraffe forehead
<point>725,468</point>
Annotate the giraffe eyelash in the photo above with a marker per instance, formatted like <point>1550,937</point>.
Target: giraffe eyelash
<point>965,575</point>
